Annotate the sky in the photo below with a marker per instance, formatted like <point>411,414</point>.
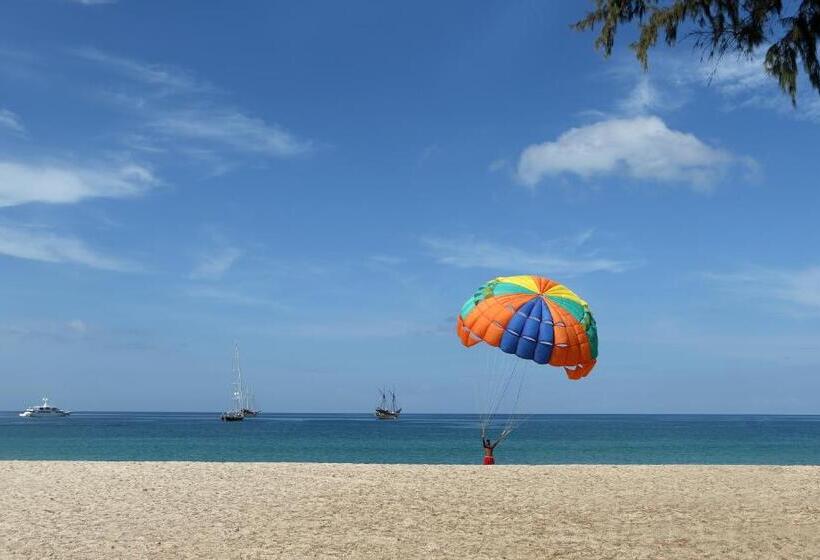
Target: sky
<point>326,183</point>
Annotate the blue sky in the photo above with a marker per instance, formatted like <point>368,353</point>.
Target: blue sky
<point>327,183</point>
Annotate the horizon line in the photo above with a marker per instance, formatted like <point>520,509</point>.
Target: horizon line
<point>15,411</point>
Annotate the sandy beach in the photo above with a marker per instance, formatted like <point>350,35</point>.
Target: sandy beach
<point>279,510</point>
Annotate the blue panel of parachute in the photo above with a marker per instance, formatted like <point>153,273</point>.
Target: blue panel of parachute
<point>509,340</point>
<point>546,335</point>
<point>529,332</point>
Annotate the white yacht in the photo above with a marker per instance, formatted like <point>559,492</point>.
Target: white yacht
<point>45,410</point>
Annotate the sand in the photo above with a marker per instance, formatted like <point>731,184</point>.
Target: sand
<point>279,510</point>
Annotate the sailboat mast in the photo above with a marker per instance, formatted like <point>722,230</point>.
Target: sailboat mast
<point>240,392</point>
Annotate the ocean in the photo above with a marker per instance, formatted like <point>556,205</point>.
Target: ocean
<point>415,438</point>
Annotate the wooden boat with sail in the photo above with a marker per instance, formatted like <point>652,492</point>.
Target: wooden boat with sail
<point>388,408</point>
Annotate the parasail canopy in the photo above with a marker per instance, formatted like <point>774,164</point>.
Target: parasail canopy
<point>534,318</point>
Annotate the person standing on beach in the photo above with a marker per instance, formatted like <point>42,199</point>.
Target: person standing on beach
<point>488,450</point>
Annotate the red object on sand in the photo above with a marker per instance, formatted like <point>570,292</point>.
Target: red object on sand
<point>489,460</point>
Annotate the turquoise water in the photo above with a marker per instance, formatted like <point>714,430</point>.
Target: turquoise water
<point>416,438</point>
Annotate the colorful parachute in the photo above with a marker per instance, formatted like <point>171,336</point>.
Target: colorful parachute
<point>534,318</point>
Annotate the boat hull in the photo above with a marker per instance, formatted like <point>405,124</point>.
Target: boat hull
<point>387,414</point>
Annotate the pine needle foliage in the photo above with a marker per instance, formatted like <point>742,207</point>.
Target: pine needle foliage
<point>718,27</point>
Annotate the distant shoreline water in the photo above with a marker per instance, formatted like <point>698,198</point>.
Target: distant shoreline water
<point>417,438</point>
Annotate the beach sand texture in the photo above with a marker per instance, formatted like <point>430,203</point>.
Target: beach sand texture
<point>278,510</point>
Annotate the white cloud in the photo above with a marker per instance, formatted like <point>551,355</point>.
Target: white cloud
<point>798,287</point>
<point>642,147</point>
<point>214,265</point>
<point>93,2</point>
<point>23,183</point>
<point>11,121</point>
<point>468,252</point>
<point>231,128</point>
<point>48,247</point>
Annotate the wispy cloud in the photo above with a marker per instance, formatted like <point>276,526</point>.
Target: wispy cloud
<point>180,113</point>
<point>78,326</point>
<point>498,165</point>
<point>10,121</point>
<point>642,147</point>
<point>231,128</point>
<point>386,260</point>
<point>93,2</point>
<point>36,245</point>
<point>22,66</point>
<point>78,330</point>
<point>65,331</point>
<point>231,297</point>
<point>744,83</point>
<point>735,75</point>
<point>55,183</point>
<point>169,79</point>
<point>558,257</point>
<point>741,82</point>
<point>645,97</point>
<point>369,327</point>
<point>215,264</point>
<point>800,288</point>
<point>429,152</point>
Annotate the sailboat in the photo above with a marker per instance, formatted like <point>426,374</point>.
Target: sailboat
<point>241,406</point>
<point>247,402</point>
<point>387,409</point>
<point>249,406</point>
<point>235,414</point>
